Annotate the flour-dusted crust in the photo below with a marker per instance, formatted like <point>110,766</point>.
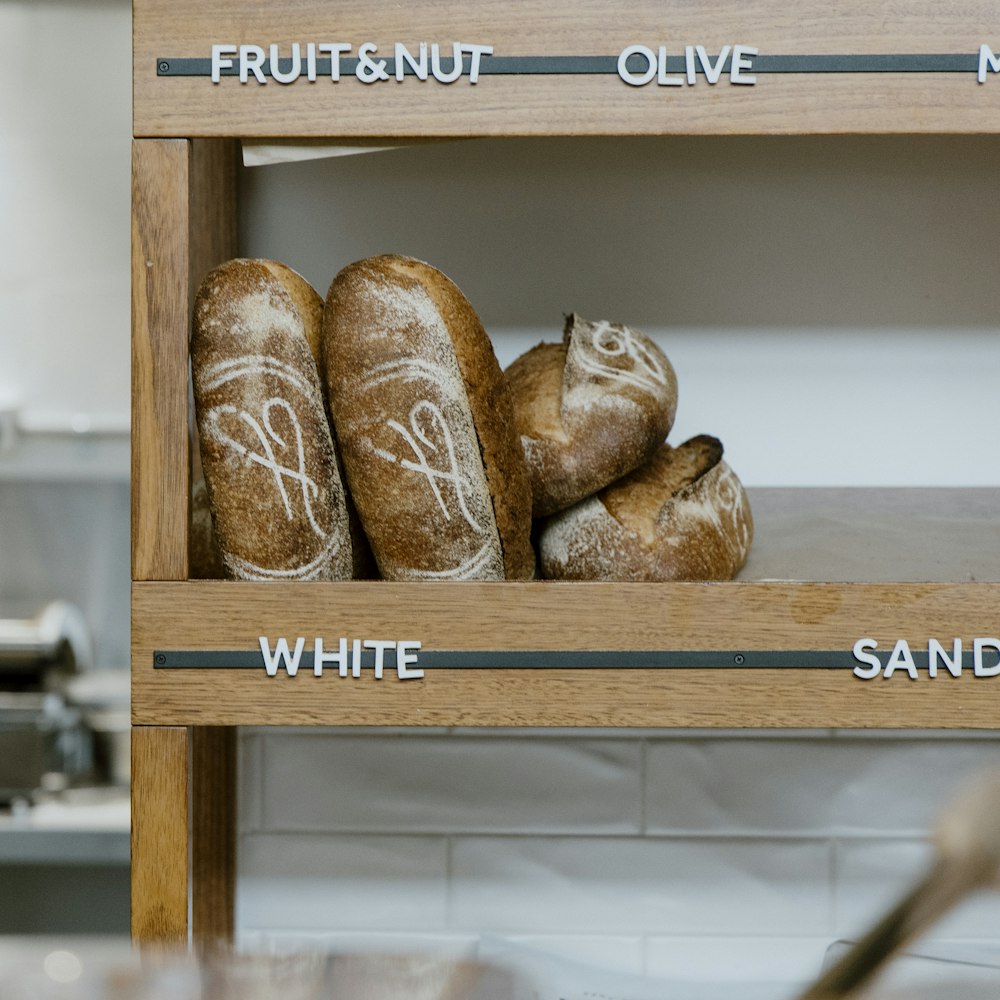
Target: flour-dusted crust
<point>684,515</point>
<point>425,423</point>
<point>590,409</point>
<point>274,486</point>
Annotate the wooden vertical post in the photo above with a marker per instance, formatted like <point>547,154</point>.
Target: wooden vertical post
<point>160,797</point>
<point>213,833</point>
<point>160,296</point>
<point>183,781</point>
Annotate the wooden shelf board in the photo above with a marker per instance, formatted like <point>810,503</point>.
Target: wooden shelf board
<point>549,616</point>
<point>778,103</point>
<point>875,535</point>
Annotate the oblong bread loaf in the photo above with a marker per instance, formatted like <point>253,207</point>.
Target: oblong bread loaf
<point>590,409</point>
<point>425,424</point>
<point>274,486</point>
<point>684,515</point>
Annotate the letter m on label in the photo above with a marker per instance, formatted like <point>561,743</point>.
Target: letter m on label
<point>987,58</point>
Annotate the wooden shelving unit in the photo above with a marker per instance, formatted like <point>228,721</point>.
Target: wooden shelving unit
<point>763,635</point>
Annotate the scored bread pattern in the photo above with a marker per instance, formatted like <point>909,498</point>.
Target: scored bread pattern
<point>267,436</point>
<point>730,510</point>
<point>642,368</point>
<point>435,443</point>
<point>312,570</point>
<point>418,440</point>
<point>473,568</point>
<point>264,431</point>
<point>268,433</point>
<point>224,371</point>
<point>418,437</point>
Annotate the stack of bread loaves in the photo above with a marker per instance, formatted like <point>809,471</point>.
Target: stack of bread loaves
<point>374,434</point>
<point>618,502</point>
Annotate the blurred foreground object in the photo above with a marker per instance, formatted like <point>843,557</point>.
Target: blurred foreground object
<point>967,843</point>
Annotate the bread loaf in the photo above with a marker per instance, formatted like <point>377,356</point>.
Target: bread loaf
<point>267,453</point>
<point>590,409</point>
<point>684,515</point>
<point>204,557</point>
<point>425,423</point>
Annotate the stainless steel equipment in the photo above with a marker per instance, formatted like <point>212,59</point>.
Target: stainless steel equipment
<point>44,742</point>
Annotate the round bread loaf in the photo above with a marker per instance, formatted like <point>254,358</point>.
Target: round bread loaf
<point>590,409</point>
<point>684,515</point>
<point>425,424</point>
<point>267,454</point>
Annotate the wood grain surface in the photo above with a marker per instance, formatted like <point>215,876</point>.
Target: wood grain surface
<point>160,835</point>
<point>183,224</point>
<point>160,310</point>
<point>213,835</point>
<point>212,210</point>
<point>549,616</point>
<point>566,104</point>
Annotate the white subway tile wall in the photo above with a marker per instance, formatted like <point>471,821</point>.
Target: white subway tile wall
<point>689,856</point>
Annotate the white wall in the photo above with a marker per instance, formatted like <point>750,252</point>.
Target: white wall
<point>64,201</point>
<point>724,864</point>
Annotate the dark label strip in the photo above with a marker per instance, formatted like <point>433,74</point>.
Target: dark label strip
<point>563,659</point>
<point>586,65</point>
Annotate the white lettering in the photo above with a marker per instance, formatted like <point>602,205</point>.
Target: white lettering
<point>979,667</point>
<point>476,52</point>
<point>370,70</point>
<point>419,65</point>
<point>662,79</point>
<point>281,656</point>
<point>404,657</point>
<point>874,666</point>
<point>321,659</point>
<point>985,654</point>
<point>335,50</point>
<point>219,62</point>
<point>689,64</point>
<point>987,58</point>
<point>901,657</point>
<point>295,72</point>
<point>935,652</point>
<point>713,68</point>
<point>349,657</point>
<point>252,61</point>
<point>380,646</point>
<point>713,73</point>
<point>456,59</point>
<point>742,62</point>
<point>637,79</point>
